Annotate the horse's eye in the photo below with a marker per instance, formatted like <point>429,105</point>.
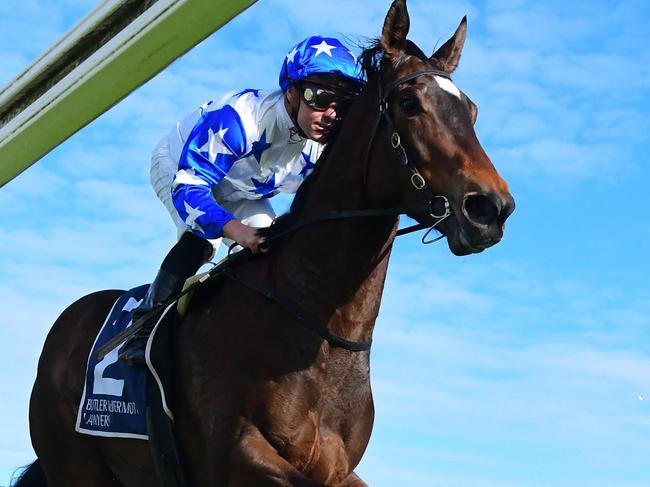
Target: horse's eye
<point>410,105</point>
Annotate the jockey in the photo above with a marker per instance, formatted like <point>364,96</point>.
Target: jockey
<point>216,168</point>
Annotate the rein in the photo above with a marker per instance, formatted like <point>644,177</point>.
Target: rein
<point>308,319</point>
<point>417,181</point>
<point>314,323</point>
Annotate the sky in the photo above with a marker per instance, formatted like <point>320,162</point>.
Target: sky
<point>525,365</point>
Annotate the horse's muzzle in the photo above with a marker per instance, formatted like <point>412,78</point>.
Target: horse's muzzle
<point>481,221</point>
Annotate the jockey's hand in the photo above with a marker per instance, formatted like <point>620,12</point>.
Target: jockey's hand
<point>244,235</point>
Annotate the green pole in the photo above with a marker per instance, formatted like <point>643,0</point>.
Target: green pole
<point>134,62</point>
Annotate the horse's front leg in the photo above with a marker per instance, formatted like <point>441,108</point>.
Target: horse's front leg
<point>255,463</point>
<point>353,480</point>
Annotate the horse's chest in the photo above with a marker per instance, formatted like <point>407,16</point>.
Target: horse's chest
<point>320,452</point>
<point>323,427</point>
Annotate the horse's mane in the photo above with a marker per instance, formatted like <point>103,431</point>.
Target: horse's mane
<point>371,62</point>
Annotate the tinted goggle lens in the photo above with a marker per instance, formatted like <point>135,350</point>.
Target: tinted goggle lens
<point>319,98</point>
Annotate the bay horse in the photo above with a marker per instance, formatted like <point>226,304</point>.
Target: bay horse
<point>260,399</point>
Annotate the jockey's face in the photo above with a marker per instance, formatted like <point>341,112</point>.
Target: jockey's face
<point>316,109</point>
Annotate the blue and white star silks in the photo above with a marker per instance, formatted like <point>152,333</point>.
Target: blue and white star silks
<point>248,90</point>
<point>260,146</point>
<point>291,56</point>
<point>215,144</point>
<point>319,55</point>
<point>309,165</point>
<point>192,215</point>
<point>239,148</point>
<point>267,188</point>
<point>200,212</point>
<point>323,47</point>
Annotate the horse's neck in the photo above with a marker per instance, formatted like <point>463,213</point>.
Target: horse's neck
<point>337,268</point>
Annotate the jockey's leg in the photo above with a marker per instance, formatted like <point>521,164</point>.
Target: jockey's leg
<point>182,261</point>
<point>161,174</point>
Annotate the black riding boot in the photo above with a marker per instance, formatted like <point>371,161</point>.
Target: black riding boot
<point>182,261</point>
<point>164,286</point>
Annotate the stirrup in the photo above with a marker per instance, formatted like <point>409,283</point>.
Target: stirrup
<point>133,350</point>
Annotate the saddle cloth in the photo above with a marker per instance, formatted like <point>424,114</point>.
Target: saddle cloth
<point>115,398</point>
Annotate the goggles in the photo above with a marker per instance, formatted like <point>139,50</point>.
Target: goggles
<point>321,99</point>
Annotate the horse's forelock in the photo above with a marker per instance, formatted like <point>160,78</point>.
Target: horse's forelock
<point>372,56</point>
<point>411,50</point>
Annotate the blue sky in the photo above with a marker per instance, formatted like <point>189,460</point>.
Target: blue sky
<point>525,365</point>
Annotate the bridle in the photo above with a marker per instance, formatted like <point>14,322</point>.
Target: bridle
<point>416,179</point>
<point>314,323</point>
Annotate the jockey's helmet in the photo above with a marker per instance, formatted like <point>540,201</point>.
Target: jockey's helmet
<point>324,60</point>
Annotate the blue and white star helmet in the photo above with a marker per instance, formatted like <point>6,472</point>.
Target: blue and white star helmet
<point>324,58</point>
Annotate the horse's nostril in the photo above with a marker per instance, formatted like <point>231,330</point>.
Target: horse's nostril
<point>481,209</point>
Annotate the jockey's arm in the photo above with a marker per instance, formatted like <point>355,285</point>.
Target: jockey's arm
<point>206,159</point>
<point>244,235</point>
<point>207,219</point>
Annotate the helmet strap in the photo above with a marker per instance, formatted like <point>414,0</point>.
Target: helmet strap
<point>292,110</point>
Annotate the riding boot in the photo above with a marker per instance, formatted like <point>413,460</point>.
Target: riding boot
<point>164,286</point>
<point>182,261</point>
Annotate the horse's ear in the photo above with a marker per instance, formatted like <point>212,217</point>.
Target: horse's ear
<point>449,53</point>
<point>396,27</point>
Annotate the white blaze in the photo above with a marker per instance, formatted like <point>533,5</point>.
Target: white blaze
<point>448,86</point>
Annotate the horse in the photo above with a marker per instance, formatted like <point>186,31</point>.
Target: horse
<point>259,398</point>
